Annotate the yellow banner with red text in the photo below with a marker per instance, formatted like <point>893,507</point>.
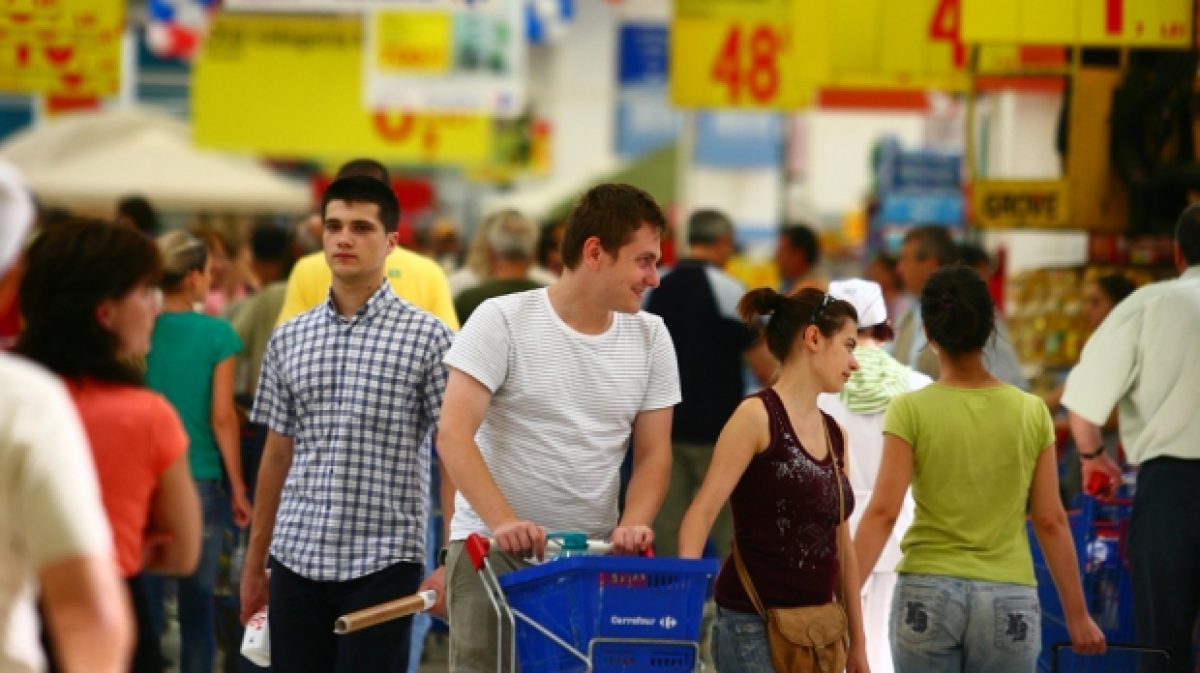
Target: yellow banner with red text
<point>61,47</point>
<point>291,86</point>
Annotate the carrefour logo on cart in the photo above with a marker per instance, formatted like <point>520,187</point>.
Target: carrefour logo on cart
<point>667,622</point>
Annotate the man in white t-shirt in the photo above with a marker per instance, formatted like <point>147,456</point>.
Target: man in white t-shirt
<point>54,537</point>
<point>546,389</point>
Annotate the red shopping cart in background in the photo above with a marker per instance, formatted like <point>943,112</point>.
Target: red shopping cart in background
<point>595,612</point>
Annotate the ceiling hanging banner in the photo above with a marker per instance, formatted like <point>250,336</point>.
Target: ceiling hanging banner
<point>459,59</point>
<point>61,47</point>
<point>327,6</point>
<point>645,119</point>
<point>1163,24</point>
<point>313,106</point>
<point>739,53</point>
<point>778,54</point>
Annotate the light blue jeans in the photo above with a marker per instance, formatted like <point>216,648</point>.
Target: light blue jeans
<point>739,643</point>
<point>423,621</point>
<point>950,625</point>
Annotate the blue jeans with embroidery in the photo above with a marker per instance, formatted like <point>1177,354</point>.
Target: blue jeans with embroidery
<point>947,625</point>
<point>740,642</point>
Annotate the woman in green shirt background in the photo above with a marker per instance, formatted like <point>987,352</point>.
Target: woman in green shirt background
<point>975,450</point>
<point>191,362</point>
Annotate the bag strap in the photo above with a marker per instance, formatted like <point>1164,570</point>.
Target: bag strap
<point>746,583</point>
<point>839,595</point>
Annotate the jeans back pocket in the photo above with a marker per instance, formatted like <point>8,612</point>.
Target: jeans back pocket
<point>917,611</point>
<point>1018,623</point>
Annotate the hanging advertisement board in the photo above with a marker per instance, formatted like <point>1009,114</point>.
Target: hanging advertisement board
<point>459,59</point>
<point>1094,23</point>
<point>313,106</point>
<point>61,47</point>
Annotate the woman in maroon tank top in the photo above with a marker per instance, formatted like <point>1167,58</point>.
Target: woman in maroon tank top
<point>778,462</point>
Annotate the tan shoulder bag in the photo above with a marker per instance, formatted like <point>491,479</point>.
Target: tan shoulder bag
<point>810,639</point>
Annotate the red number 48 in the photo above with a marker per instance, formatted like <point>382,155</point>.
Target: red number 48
<point>760,78</point>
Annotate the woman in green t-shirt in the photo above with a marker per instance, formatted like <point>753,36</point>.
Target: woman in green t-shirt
<point>191,363</point>
<point>975,450</point>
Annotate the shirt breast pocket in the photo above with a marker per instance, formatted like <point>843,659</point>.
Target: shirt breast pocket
<point>383,398</point>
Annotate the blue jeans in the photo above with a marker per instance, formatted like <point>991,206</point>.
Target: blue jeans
<point>739,643</point>
<point>423,621</point>
<point>947,625</point>
<point>196,591</point>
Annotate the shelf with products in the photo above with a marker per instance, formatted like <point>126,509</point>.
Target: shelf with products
<point>1048,317</point>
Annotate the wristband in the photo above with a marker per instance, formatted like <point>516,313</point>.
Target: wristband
<point>1092,456</point>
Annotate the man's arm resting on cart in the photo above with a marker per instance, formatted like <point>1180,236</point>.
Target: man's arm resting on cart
<point>463,409</point>
<point>1054,535</point>
<point>647,483</point>
<point>276,461</point>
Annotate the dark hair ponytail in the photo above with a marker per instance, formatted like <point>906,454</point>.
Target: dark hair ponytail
<point>957,310</point>
<point>788,316</point>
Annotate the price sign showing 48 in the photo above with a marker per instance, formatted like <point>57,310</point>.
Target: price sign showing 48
<point>748,63</point>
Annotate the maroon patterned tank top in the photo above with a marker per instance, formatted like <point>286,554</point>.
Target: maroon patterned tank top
<point>785,511</point>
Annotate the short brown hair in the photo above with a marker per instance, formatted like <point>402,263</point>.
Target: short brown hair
<point>612,213</point>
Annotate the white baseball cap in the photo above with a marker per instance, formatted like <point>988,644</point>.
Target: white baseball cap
<point>865,296</point>
<point>16,214</point>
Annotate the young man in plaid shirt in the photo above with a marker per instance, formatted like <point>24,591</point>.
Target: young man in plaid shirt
<point>350,391</point>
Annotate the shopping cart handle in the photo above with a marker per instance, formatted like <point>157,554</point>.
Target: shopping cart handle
<point>1126,647</point>
<point>478,547</point>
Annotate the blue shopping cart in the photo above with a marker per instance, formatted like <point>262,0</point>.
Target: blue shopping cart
<point>607,614</point>
<point>1099,527</point>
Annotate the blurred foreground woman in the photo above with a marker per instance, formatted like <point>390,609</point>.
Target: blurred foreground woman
<point>89,300</point>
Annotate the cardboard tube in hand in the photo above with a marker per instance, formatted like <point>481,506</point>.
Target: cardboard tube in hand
<point>377,614</point>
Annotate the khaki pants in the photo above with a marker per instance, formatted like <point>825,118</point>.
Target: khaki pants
<point>472,618</point>
<point>689,465</point>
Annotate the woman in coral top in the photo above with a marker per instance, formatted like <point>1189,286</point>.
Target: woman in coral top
<point>89,299</point>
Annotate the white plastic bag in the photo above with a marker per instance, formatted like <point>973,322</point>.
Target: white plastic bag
<point>256,643</point>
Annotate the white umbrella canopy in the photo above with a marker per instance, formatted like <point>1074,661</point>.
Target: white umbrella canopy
<point>90,160</point>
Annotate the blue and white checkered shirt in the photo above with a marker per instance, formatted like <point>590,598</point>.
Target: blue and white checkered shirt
<point>359,396</point>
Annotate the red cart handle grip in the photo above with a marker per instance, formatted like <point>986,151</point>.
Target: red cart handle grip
<point>477,548</point>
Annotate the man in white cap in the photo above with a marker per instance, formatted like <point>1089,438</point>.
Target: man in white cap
<point>859,408</point>
<point>54,538</point>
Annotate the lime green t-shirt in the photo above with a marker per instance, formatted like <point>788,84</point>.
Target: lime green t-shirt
<point>184,350</point>
<point>974,453</point>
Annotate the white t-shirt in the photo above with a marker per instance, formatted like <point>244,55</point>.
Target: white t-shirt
<point>50,507</point>
<point>562,409</point>
<point>864,433</point>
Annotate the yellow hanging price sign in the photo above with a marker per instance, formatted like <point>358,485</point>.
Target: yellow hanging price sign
<point>1111,23</point>
<point>289,119</point>
<point>413,42</point>
<point>907,44</point>
<point>726,53</point>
